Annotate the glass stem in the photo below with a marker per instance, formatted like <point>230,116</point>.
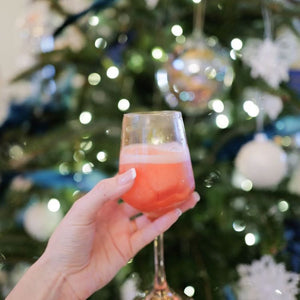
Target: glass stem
<point>160,282</point>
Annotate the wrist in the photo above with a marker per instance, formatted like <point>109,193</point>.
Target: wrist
<point>41,282</point>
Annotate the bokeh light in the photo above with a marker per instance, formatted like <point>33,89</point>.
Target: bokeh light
<point>123,104</point>
<point>85,117</point>
<point>217,105</point>
<point>246,185</point>
<point>222,121</point>
<point>177,30</point>
<point>87,168</point>
<point>100,43</point>
<point>251,108</point>
<point>250,239</point>
<point>112,72</point>
<point>238,226</point>
<point>157,53</point>
<point>236,44</point>
<point>94,78</point>
<point>283,206</point>
<point>94,21</point>
<point>53,205</point>
<point>189,291</point>
<point>102,156</point>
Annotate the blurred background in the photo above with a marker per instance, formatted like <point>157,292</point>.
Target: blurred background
<point>69,70</point>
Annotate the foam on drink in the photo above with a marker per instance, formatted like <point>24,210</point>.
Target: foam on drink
<point>155,154</point>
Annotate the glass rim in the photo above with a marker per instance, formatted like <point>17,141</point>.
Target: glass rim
<point>154,112</point>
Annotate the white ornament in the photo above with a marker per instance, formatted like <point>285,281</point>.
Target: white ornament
<point>262,161</point>
<point>293,185</point>
<point>270,104</point>
<point>75,6</point>
<point>151,4</point>
<point>266,280</point>
<point>40,222</point>
<point>129,288</point>
<point>270,60</point>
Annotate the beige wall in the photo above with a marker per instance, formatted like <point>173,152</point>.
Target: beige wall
<point>10,41</point>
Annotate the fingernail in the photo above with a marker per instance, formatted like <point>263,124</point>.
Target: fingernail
<point>179,212</point>
<point>196,196</point>
<point>127,176</point>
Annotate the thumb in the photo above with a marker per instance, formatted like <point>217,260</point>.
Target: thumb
<point>108,189</point>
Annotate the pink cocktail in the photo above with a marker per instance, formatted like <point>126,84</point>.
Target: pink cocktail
<point>154,143</point>
<point>164,176</point>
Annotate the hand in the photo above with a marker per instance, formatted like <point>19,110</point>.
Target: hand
<point>98,236</point>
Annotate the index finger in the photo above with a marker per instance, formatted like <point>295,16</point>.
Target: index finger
<point>109,189</point>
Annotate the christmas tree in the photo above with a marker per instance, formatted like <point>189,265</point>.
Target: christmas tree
<point>231,68</point>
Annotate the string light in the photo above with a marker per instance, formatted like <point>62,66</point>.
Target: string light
<point>100,43</point>
<point>222,121</point>
<point>63,168</point>
<point>102,156</point>
<point>87,168</point>
<point>123,104</point>
<point>246,185</point>
<point>217,105</point>
<point>250,239</point>
<point>232,54</point>
<point>112,72</point>
<point>238,226</point>
<point>189,291</point>
<point>157,53</point>
<point>94,21</point>
<point>94,78</point>
<point>86,145</point>
<point>53,205</point>
<point>251,108</point>
<point>177,30</point>
<point>236,44</point>
<point>283,206</point>
<point>85,117</point>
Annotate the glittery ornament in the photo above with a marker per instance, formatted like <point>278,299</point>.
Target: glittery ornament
<point>265,279</point>
<point>270,104</point>
<point>194,74</point>
<point>262,161</point>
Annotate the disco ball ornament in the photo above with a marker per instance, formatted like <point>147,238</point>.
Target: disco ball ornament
<point>195,73</point>
<point>262,161</point>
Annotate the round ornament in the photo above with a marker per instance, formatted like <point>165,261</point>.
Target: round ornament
<point>195,73</point>
<point>40,222</point>
<point>262,161</point>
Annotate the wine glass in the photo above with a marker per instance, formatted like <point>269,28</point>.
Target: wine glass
<point>154,143</point>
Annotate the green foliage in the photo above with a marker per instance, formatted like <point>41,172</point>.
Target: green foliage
<point>202,249</point>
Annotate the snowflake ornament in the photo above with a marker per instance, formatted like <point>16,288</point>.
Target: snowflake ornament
<point>270,104</point>
<point>270,60</point>
<point>264,279</point>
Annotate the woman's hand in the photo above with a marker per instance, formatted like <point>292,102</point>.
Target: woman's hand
<point>94,240</point>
